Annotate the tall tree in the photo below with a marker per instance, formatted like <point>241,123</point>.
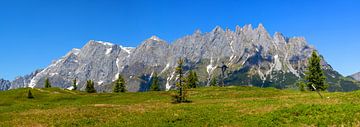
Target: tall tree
<point>213,81</point>
<point>119,85</point>
<point>90,86</point>
<point>47,83</point>
<point>74,84</point>
<point>314,74</point>
<point>180,84</point>
<point>192,79</point>
<point>155,83</point>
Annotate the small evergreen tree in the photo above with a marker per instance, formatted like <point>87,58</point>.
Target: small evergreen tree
<point>155,83</point>
<point>213,81</point>
<point>30,96</point>
<point>192,79</point>
<point>119,85</point>
<point>47,83</point>
<point>314,74</point>
<point>90,87</point>
<point>301,85</point>
<point>74,84</point>
<point>181,97</point>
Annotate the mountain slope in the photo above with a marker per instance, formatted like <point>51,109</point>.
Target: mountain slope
<point>253,56</point>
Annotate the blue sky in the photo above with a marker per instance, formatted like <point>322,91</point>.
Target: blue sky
<point>35,32</point>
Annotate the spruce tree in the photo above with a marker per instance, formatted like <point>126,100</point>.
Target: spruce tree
<point>314,74</point>
<point>90,87</point>
<point>74,84</point>
<point>192,79</point>
<point>47,83</point>
<point>180,84</point>
<point>213,81</point>
<point>155,83</point>
<point>30,96</point>
<point>119,85</point>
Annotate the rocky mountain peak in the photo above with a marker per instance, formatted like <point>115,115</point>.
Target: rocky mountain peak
<point>155,38</point>
<point>238,29</point>
<point>218,29</point>
<point>153,41</point>
<point>197,32</point>
<point>247,27</point>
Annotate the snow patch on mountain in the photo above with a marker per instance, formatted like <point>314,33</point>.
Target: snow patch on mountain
<point>210,68</point>
<point>105,43</point>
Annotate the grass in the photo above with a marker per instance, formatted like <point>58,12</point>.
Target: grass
<point>213,106</point>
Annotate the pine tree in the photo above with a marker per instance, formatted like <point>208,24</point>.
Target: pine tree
<point>213,81</point>
<point>119,85</point>
<point>47,83</point>
<point>30,96</point>
<point>192,79</point>
<point>155,83</point>
<point>90,87</point>
<point>314,74</point>
<point>74,84</point>
<point>181,97</point>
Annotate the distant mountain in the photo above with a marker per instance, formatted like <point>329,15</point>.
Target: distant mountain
<point>254,58</point>
<point>356,76</point>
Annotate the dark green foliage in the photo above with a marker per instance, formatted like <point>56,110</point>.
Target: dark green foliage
<point>90,87</point>
<point>47,83</point>
<point>314,74</point>
<point>192,79</point>
<point>181,97</point>
<point>74,84</point>
<point>119,85</point>
<point>301,85</point>
<point>155,83</point>
<point>30,96</point>
<point>213,81</point>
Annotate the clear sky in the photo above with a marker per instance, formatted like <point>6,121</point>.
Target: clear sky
<point>33,33</point>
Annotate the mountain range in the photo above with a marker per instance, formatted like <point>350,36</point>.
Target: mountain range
<point>254,58</point>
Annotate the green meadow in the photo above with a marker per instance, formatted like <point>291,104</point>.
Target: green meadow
<point>210,106</point>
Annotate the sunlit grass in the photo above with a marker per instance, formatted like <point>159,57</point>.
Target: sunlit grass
<point>213,106</point>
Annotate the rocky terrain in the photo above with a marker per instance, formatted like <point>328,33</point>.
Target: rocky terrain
<point>254,58</point>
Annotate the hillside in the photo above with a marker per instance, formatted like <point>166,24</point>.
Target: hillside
<point>212,106</point>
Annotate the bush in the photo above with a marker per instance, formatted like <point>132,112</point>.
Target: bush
<point>30,96</point>
<point>301,85</point>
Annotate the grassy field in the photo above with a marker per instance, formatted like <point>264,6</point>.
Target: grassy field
<point>228,106</point>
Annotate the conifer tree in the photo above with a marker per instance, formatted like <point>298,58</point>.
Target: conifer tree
<point>314,74</point>
<point>181,97</point>
<point>47,83</point>
<point>213,81</point>
<point>90,86</point>
<point>74,84</point>
<point>119,85</point>
<point>30,96</point>
<point>155,83</point>
<point>192,79</point>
